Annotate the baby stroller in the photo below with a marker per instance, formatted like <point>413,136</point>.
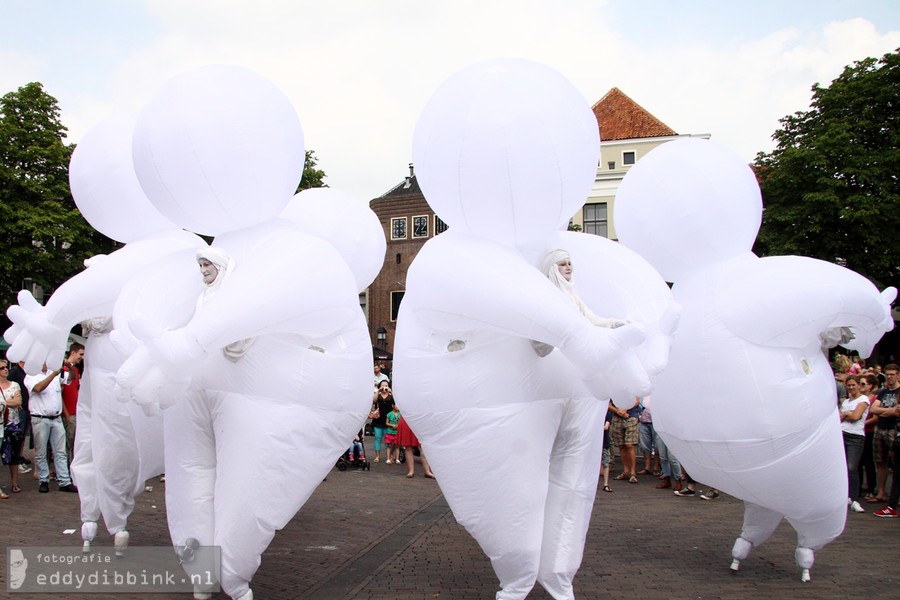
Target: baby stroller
<point>355,456</point>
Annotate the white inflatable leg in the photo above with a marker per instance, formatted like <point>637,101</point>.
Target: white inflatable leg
<point>805,558</point>
<point>574,471</point>
<point>88,533</point>
<point>190,473</point>
<point>116,460</point>
<point>759,525</point>
<point>82,469</point>
<point>506,515</point>
<point>121,542</point>
<point>740,551</point>
<point>253,500</point>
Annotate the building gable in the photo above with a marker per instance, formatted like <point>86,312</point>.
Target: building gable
<point>621,118</point>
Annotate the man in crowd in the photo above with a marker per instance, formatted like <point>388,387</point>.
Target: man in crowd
<point>46,406</point>
<point>885,408</point>
<point>379,376</point>
<point>71,384</point>
<point>624,434</point>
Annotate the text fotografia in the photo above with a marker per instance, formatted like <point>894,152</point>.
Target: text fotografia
<point>150,569</point>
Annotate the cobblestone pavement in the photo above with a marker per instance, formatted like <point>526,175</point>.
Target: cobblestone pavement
<point>376,535</point>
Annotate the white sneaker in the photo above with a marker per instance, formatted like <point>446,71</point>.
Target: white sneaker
<point>23,468</point>
<point>855,507</point>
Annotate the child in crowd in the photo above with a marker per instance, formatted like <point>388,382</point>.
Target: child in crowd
<point>356,448</point>
<point>390,438</point>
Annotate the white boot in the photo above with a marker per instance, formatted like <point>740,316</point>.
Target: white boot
<point>805,558</point>
<point>121,542</point>
<point>88,533</point>
<point>739,552</point>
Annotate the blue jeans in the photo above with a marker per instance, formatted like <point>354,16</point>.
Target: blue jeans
<point>646,437</point>
<point>356,448</point>
<point>669,463</point>
<point>379,437</point>
<point>853,447</point>
<point>54,431</point>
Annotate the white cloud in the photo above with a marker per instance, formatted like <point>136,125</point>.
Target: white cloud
<point>18,69</point>
<point>359,73</point>
<point>739,94</point>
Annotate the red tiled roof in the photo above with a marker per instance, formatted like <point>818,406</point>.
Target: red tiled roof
<point>621,118</point>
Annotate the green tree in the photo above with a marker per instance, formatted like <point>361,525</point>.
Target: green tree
<point>312,177</point>
<point>45,238</point>
<point>831,187</point>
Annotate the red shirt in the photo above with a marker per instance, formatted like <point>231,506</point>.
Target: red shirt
<point>70,391</point>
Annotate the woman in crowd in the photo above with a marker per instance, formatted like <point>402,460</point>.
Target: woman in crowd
<point>869,385</point>
<point>381,406</point>
<point>408,440</point>
<point>853,417</point>
<point>10,428</point>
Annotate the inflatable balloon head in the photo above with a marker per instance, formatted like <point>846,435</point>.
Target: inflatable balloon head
<point>687,204</point>
<point>345,221</point>
<point>105,186</point>
<point>219,148</point>
<point>506,149</point>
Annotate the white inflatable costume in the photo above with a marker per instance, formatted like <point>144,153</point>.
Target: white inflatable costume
<point>747,402</point>
<point>506,152</point>
<point>117,447</point>
<point>274,358</point>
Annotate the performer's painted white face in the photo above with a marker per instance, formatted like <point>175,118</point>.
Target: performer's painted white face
<point>208,270</point>
<point>565,269</point>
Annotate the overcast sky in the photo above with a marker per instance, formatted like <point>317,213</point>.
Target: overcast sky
<point>359,72</point>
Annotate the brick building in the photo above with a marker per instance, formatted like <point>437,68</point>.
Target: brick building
<point>408,223</point>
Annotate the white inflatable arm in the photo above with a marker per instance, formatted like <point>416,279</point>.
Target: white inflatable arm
<point>161,296</point>
<point>287,283</point>
<point>789,300</point>
<point>39,333</point>
<point>463,283</point>
<point>616,281</point>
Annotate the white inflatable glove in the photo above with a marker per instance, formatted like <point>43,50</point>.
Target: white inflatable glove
<point>864,340</point>
<point>34,338</point>
<point>95,260</point>
<point>142,380</point>
<point>607,361</point>
<point>158,374</point>
<point>654,354</point>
